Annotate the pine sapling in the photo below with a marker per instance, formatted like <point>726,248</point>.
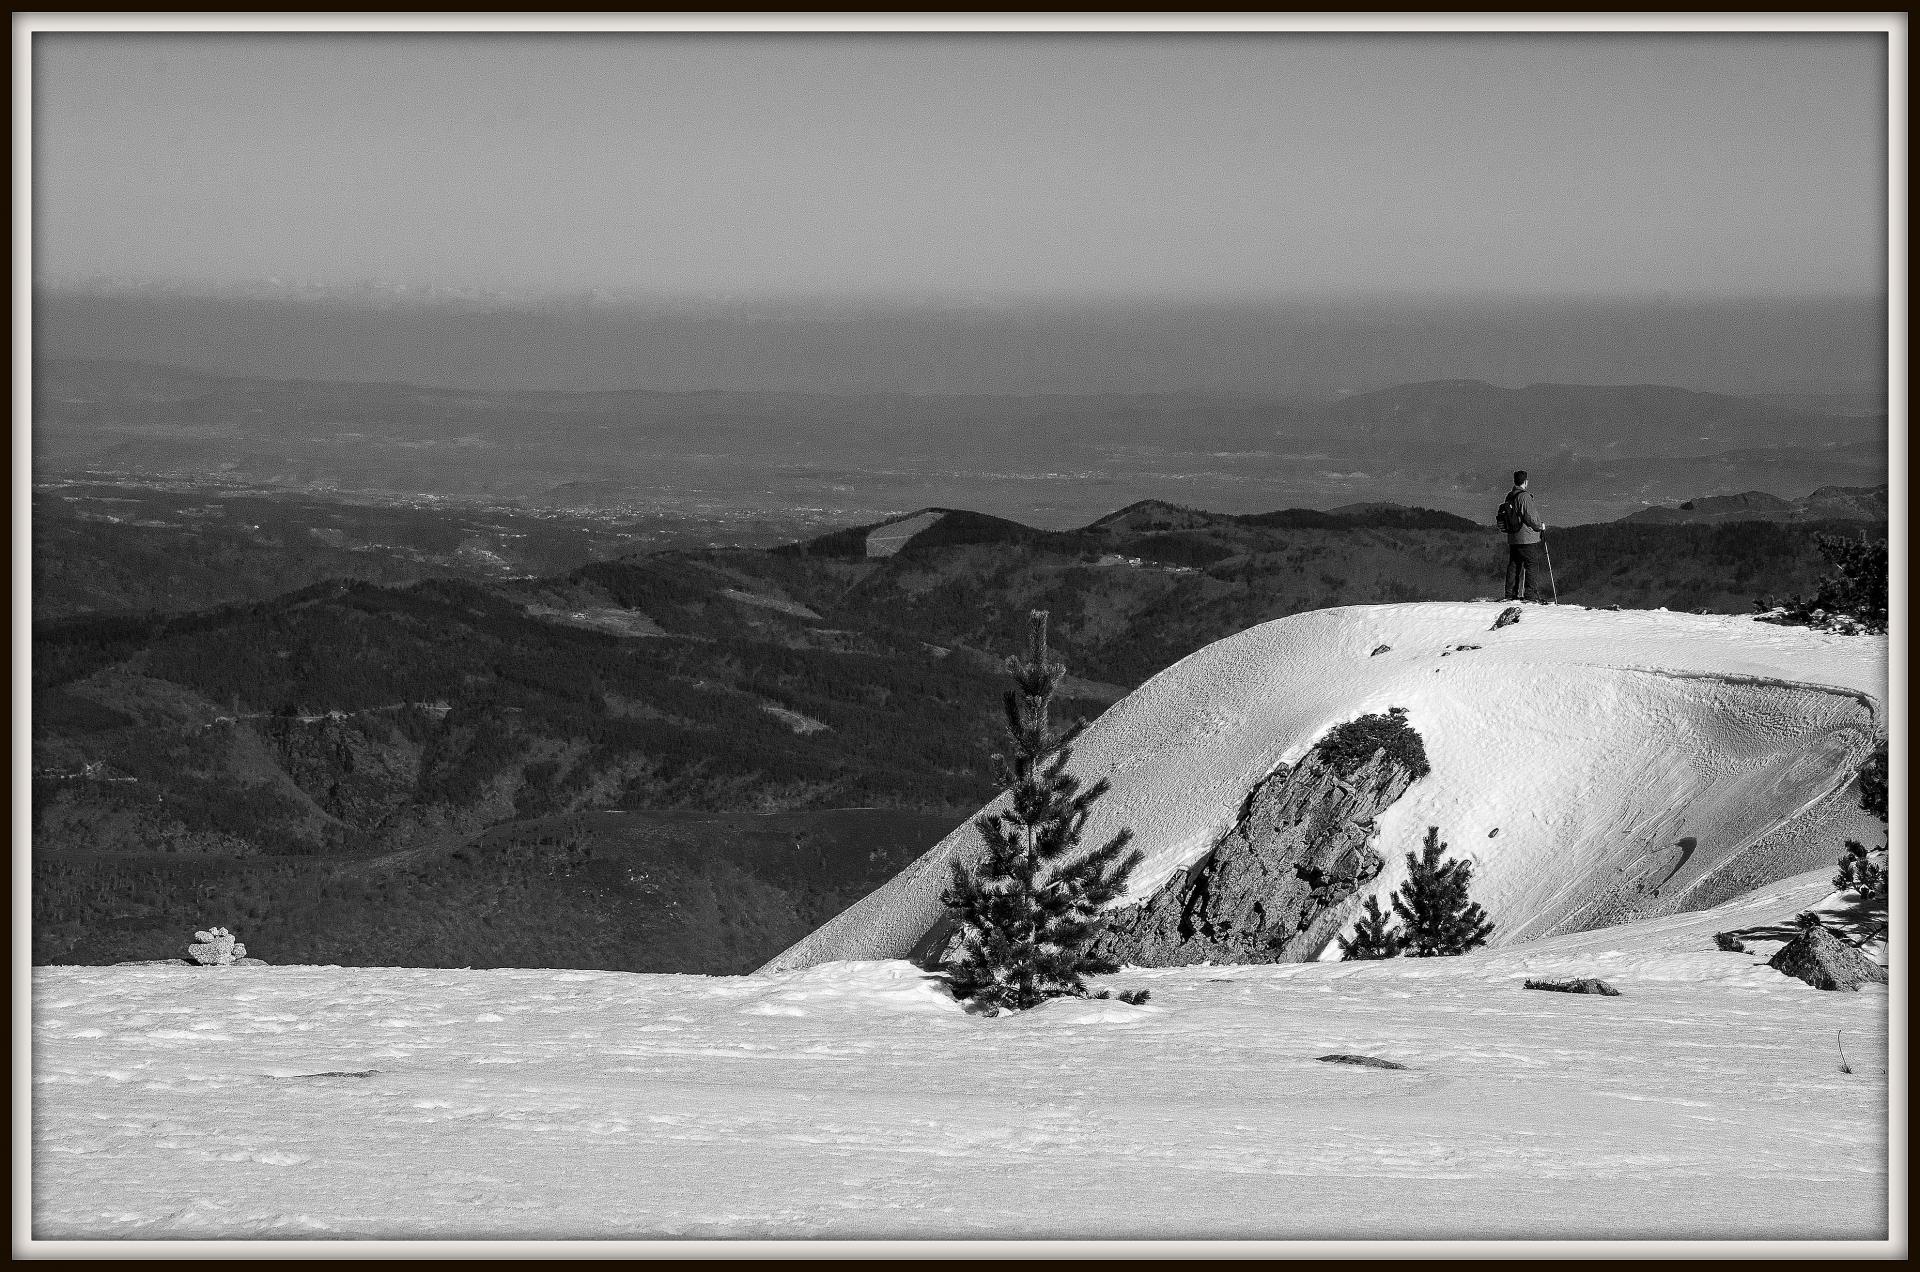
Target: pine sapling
<point>1436,917</point>
<point>1372,936</point>
<point>1029,909</point>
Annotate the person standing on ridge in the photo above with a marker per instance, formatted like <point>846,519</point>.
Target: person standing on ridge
<point>1526,555</point>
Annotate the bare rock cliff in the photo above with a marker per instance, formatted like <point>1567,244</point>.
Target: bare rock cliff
<point>1275,888</point>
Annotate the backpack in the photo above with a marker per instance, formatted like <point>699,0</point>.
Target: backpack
<point>1508,517</point>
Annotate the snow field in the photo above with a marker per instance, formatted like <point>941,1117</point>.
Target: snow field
<point>857,1100</point>
<point>1571,753</point>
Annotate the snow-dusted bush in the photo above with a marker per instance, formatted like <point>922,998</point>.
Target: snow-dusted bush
<point>1852,600</point>
<point>1029,909</point>
<point>1346,746</point>
<point>1859,871</point>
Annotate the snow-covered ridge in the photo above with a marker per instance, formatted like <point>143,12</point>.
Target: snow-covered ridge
<point>1575,753</point>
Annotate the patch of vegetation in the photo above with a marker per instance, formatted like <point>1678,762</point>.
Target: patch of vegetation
<point>1193,550</point>
<point>1859,871</point>
<point>960,527</point>
<point>1873,782</point>
<point>1347,746</point>
<point>712,893</point>
<point>1380,515</point>
<point>1852,598</point>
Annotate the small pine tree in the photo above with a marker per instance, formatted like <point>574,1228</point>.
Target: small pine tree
<point>1435,915</point>
<point>1372,938</point>
<point>1029,909</point>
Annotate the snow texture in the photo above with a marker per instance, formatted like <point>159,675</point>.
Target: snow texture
<point>857,1100</point>
<point>1592,741</point>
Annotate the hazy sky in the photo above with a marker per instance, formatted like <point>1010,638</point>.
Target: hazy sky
<point>1066,166</point>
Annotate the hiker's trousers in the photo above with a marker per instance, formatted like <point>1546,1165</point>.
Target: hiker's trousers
<point>1526,566</point>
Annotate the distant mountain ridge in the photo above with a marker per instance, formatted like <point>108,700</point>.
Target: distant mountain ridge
<point>1055,460</point>
<point>948,527</point>
<point>1829,503</point>
<point>1117,346</point>
<point>1601,420</point>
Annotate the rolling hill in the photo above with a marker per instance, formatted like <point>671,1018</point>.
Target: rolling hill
<point>1829,503</point>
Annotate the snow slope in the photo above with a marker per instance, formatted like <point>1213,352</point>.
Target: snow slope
<point>1572,752</point>
<point>856,1100</point>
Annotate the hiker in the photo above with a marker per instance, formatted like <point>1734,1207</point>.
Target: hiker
<point>1526,555</point>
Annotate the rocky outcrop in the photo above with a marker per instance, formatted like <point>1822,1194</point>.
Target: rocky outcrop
<point>1824,961</point>
<point>1367,1062</point>
<point>1274,888</point>
<point>1579,985</point>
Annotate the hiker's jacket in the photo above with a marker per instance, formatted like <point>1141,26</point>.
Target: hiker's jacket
<point>1528,531</point>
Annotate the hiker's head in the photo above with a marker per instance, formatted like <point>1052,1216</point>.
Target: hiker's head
<point>1519,476</point>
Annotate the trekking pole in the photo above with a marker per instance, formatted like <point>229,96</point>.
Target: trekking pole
<point>1550,583</point>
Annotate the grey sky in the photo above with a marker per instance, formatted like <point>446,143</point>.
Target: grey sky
<point>1066,166</point>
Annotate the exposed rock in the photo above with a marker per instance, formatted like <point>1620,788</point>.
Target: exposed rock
<point>1824,961</point>
<point>215,948</point>
<point>1371,1062</point>
<point>157,962</point>
<point>1272,889</point>
<point>1508,617</point>
<point>1378,650</point>
<point>1579,985</point>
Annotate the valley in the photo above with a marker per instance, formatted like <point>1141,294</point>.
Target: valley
<point>796,461</point>
<point>446,770</point>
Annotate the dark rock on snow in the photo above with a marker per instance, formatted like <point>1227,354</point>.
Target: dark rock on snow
<point>1272,888</point>
<point>1371,1062</point>
<point>1508,617</point>
<point>1581,985</point>
<point>1824,961</point>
